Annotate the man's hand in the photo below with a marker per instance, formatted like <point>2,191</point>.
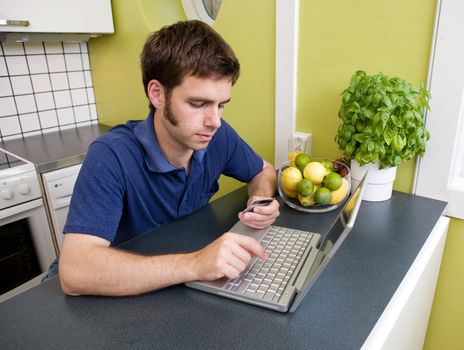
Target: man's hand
<point>227,256</point>
<point>261,216</point>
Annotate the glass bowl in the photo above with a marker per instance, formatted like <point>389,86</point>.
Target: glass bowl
<point>316,208</point>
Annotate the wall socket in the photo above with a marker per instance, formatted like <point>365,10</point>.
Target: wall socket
<point>300,141</point>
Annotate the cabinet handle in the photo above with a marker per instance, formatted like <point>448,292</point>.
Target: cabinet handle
<point>14,22</point>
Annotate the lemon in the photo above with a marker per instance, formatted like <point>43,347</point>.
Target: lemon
<point>289,194</point>
<point>351,203</point>
<point>339,195</point>
<point>290,178</point>
<point>305,187</point>
<point>291,157</point>
<point>323,196</point>
<point>333,181</point>
<point>306,201</point>
<point>315,171</point>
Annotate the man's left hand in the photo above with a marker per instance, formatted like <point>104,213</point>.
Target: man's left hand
<point>261,216</point>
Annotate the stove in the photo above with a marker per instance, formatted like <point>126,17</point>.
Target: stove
<point>19,181</point>
<point>26,243</point>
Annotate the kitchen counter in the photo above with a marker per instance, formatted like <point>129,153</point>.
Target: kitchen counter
<point>55,150</point>
<point>360,287</point>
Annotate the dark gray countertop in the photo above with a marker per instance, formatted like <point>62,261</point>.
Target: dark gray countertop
<point>339,311</point>
<point>56,150</point>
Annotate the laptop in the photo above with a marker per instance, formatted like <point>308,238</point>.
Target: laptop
<point>296,259</point>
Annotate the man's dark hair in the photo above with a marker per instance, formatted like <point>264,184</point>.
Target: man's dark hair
<point>183,49</point>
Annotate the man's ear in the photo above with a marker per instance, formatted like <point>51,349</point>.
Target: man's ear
<point>156,93</point>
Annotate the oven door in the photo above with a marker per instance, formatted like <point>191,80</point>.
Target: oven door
<point>26,247</point>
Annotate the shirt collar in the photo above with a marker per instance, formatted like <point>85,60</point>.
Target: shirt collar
<point>145,133</point>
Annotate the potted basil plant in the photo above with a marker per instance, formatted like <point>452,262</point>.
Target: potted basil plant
<point>382,125</point>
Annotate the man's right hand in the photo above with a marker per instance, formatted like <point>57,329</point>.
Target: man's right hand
<point>227,256</point>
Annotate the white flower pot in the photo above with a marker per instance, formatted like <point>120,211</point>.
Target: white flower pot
<point>380,182</point>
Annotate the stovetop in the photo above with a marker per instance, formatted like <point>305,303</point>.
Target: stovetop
<point>7,161</point>
<point>11,165</point>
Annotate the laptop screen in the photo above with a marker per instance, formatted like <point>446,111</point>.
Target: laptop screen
<point>333,239</point>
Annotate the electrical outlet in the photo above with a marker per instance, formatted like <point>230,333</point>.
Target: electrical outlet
<point>301,141</point>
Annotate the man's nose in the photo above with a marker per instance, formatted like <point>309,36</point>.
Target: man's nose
<point>213,117</point>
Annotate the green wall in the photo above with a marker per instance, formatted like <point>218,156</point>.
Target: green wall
<point>251,111</point>
<point>335,39</point>
<point>446,322</point>
<point>115,58</point>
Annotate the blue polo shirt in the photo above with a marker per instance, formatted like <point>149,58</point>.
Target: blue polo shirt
<point>127,187</point>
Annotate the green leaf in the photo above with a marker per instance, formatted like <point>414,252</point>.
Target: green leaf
<point>368,113</point>
<point>381,149</point>
<point>370,146</point>
<point>346,97</point>
<point>368,130</point>
<point>360,125</point>
<point>349,149</point>
<point>379,130</point>
<point>397,143</point>
<point>359,138</point>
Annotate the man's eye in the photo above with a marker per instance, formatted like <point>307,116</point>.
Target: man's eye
<point>196,104</point>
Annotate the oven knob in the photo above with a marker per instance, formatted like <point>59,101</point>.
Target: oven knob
<point>24,189</point>
<point>6,193</point>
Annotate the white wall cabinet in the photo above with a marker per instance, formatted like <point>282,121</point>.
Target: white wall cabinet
<point>56,16</point>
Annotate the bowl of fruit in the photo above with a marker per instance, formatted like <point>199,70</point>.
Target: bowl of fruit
<point>313,185</point>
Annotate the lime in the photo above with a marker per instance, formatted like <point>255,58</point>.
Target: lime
<point>306,201</point>
<point>305,187</point>
<point>323,196</point>
<point>314,171</point>
<point>333,181</point>
<point>339,195</point>
<point>290,178</point>
<point>328,164</point>
<point>301,160</point>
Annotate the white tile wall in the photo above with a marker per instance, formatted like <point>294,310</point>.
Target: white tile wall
<point>44,87</point>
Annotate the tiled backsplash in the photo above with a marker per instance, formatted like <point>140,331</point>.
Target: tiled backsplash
<point>44,87</point>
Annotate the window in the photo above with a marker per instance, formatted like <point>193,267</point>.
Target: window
<point>440,173</point>
<point>204,10</point>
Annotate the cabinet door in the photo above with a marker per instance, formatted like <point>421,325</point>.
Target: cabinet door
<point>57,16</point>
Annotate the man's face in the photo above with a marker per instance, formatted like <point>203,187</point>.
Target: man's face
<point>192,111</point>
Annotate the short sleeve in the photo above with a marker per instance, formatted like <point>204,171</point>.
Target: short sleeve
<point>243,163</point>
<point>97,201</point>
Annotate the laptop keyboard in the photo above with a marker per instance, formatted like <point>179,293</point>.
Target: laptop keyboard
<point>267,279</point>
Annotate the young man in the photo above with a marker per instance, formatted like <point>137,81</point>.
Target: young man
<point>144,174</point>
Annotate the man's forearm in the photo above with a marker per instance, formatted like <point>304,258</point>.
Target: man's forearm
<point>108,271</point>
<point>264,183</point>
<point>88,267</point>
